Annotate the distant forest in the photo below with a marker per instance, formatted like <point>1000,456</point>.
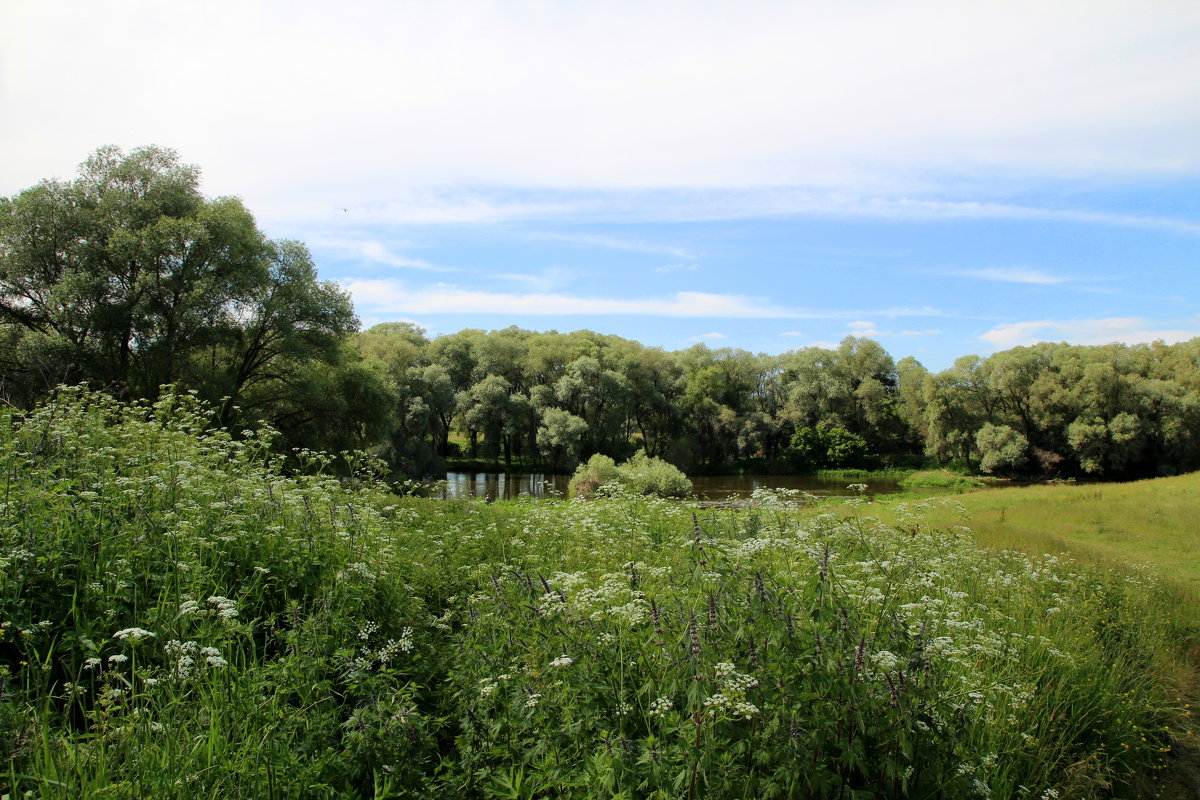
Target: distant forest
<point>128,279</point>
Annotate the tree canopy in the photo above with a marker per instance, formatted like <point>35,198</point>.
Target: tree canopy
<point>128,278</point>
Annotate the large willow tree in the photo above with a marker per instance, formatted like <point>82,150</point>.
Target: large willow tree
<point>127,277</point>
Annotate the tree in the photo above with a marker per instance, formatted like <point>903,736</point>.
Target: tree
<point>559,438</point>
<point>1001,449</point>
<point>129,278</point>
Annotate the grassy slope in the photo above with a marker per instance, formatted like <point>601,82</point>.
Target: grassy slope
<point>1154,521</point>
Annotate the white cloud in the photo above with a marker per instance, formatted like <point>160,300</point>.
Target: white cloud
<point>867,329</point>
<point>392,296</point>
<point>306,103</point>
<point>379,296</point>
<point>1127,330</point>
<point>704,336</point>
<point>375,252</point>
<point>398,205</point>
<point>618,243</point>
<point>544,281</point>
<point>1010,275</point>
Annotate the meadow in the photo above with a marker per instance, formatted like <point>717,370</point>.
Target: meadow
<point>180,617</point>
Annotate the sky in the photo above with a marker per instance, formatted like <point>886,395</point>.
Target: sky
<point>948,178</point>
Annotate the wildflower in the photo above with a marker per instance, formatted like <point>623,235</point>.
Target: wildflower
<point>133,633</point>
<point>533,700</point>
<point>91,663</point>
<point>226,608</point>
<point>118,658</point>
<point>660,707</point>
<point>562,661</point>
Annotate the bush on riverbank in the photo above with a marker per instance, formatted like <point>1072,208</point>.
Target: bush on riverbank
<point>641,474</point>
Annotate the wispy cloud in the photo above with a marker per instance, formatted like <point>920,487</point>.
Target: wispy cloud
<point>704,336</point>
<point>617,243</point>
<point>375,252</point>
<point>1128,330</point>
<point>668,268</point>
<point>1009,275</point>
<point>543,281</point>
<point>390,296</point>
<point>434,206</point>
<point>383,295</point>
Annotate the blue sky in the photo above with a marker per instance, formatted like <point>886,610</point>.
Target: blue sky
<point>945,177</point>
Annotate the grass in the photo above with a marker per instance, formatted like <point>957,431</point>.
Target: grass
<point>179,618</point>
<point>940,479</point>
<point>1144,522</point>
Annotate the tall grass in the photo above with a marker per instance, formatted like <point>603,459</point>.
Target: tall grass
<point>181,619</point>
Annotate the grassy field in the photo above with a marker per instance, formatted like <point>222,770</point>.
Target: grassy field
<point>1155,522</point>
<point>178,618</point>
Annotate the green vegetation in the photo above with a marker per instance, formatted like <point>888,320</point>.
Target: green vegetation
<point>939,479</point>
<point>196,602</point>
<point>1143,522</point>
<point>182,619</point>
<point>129,279</point>
<point>641,474</point>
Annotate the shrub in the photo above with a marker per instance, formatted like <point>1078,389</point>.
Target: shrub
<point>649,475</point>
<point>641,474</point>
<point>590,476</point>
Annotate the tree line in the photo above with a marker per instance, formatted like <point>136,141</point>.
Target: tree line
<point>129,279</point>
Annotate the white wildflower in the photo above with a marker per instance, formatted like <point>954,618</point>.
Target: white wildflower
<point>660,707</point>
<point>133,633</point>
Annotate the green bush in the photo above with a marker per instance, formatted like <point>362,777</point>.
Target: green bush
<point>648,475</point>
<point>641,474</point>
<point>590,476</point>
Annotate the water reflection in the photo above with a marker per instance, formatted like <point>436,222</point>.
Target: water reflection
<point>502,486</point>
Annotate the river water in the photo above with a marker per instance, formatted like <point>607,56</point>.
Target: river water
<point>501,486</point>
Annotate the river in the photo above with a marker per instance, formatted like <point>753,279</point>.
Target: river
<point>502,486</point>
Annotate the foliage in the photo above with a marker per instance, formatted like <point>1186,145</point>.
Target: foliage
<point>180,619</point>
<point>826,446</point>
<point>641,474</point>
<point>129,279</point>
<point>590,476</point>
<point>1001,448</point>
<point>649,475</point>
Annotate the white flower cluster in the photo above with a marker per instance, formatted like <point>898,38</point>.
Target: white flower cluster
<point>185,655</point>
<point>133,633</point>
<point>562,661</point>
<point>731,698</point>
<point>660,707</point>
<point>225,608</point>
